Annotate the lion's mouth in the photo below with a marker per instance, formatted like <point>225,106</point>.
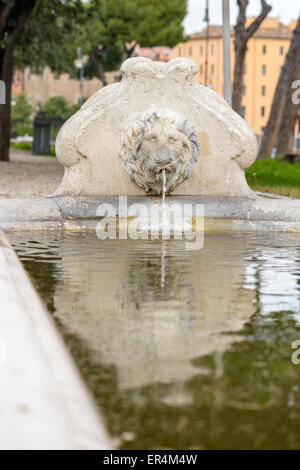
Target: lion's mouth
<point>158,173</point>
<point>166,169</point>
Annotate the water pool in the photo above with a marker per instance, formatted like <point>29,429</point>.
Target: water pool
<point>181,349</point>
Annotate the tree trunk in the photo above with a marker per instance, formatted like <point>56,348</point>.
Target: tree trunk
<point>240,54</point>
<point>95,57</point>
<point>242,36</point>
<point>128,51</point>
<point>6,73</point>
<point>283,86</point>
<point>13,16</point>
<point>286,133</point>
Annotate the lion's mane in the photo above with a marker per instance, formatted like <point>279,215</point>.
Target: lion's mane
<point>184,151</point>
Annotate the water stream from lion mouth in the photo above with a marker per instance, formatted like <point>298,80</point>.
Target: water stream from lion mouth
<point>205,362</point>
<point>164,186</point>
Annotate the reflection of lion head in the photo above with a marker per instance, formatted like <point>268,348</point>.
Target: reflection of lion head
<point>159,140</point>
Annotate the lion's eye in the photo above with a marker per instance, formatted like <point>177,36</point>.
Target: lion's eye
<point>152,138</point>
<point>172,139</point>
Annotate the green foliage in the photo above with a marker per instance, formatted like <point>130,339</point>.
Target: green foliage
<point>21,122</point>
<point>22,109</point>
<point>23,129</point>
<point>46,37</point>
<point>21,146</point>
<point>148,22</point>
<point>112,23</point>
<point>57,28</point>
<point>57,109</point>
<point>274,176</point>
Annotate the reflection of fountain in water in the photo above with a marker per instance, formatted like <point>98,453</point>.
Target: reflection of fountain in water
<point>163,254</point>
<point>124,342</point>
<point>164,186</point>
<point>150,319</point>
<point>163,265</point>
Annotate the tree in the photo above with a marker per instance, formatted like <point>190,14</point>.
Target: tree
<point>13,16</point>
<point>282,88</point>
<point>53,29</point>
<point>286,131</point>
<point>99,43</point>
<point>59,110</point>
<point>153,23</point>
<point>242,36</point>
<point>116,26</point>
<point>46,28</point>
<point>47,36</point>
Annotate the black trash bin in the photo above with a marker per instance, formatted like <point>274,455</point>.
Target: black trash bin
<point>41,134</point>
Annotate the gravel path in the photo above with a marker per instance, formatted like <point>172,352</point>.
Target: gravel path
<point>29,176</point>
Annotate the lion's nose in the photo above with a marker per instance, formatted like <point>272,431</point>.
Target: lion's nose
<point>163,161</point>
<point>163,157</point>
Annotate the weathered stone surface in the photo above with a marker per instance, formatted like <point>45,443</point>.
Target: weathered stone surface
<point>79,213</point>
<point>159,140</point>
<point>155,118</point>
<point>43,402</point>
<point>28,209</point>
<point>262,208</point>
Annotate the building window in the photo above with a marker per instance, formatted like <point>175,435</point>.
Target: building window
<point>281,50</point>
<point>201,50</point>
<point>244,69</point>
<point>262,111</point>
<point>212,49</point>
<point>243,90</point>
<point>190,50</point>
<point>179,51</point>
<point>56,76</point>
<point>243,111</point>
<point>212,69</point>
<point>263,69</point>
<point>201,69</point>
<point>263,90</point>
<point>264,49</point>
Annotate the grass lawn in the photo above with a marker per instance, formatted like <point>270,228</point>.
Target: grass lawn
<point>274,176</point>
<point>25,146</point>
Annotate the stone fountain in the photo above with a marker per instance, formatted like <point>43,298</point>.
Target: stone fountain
<point>157,118</point>
<point>157,131</point>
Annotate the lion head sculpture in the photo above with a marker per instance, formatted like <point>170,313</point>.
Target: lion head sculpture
<point>159,140</point>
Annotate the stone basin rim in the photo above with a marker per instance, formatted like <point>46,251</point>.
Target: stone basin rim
<point>278,212</point>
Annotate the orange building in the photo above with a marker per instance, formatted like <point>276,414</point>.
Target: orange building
<point>40,87</point>
<point>264,59</point>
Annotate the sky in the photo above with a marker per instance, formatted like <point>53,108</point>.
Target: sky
<point>284,10</point>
